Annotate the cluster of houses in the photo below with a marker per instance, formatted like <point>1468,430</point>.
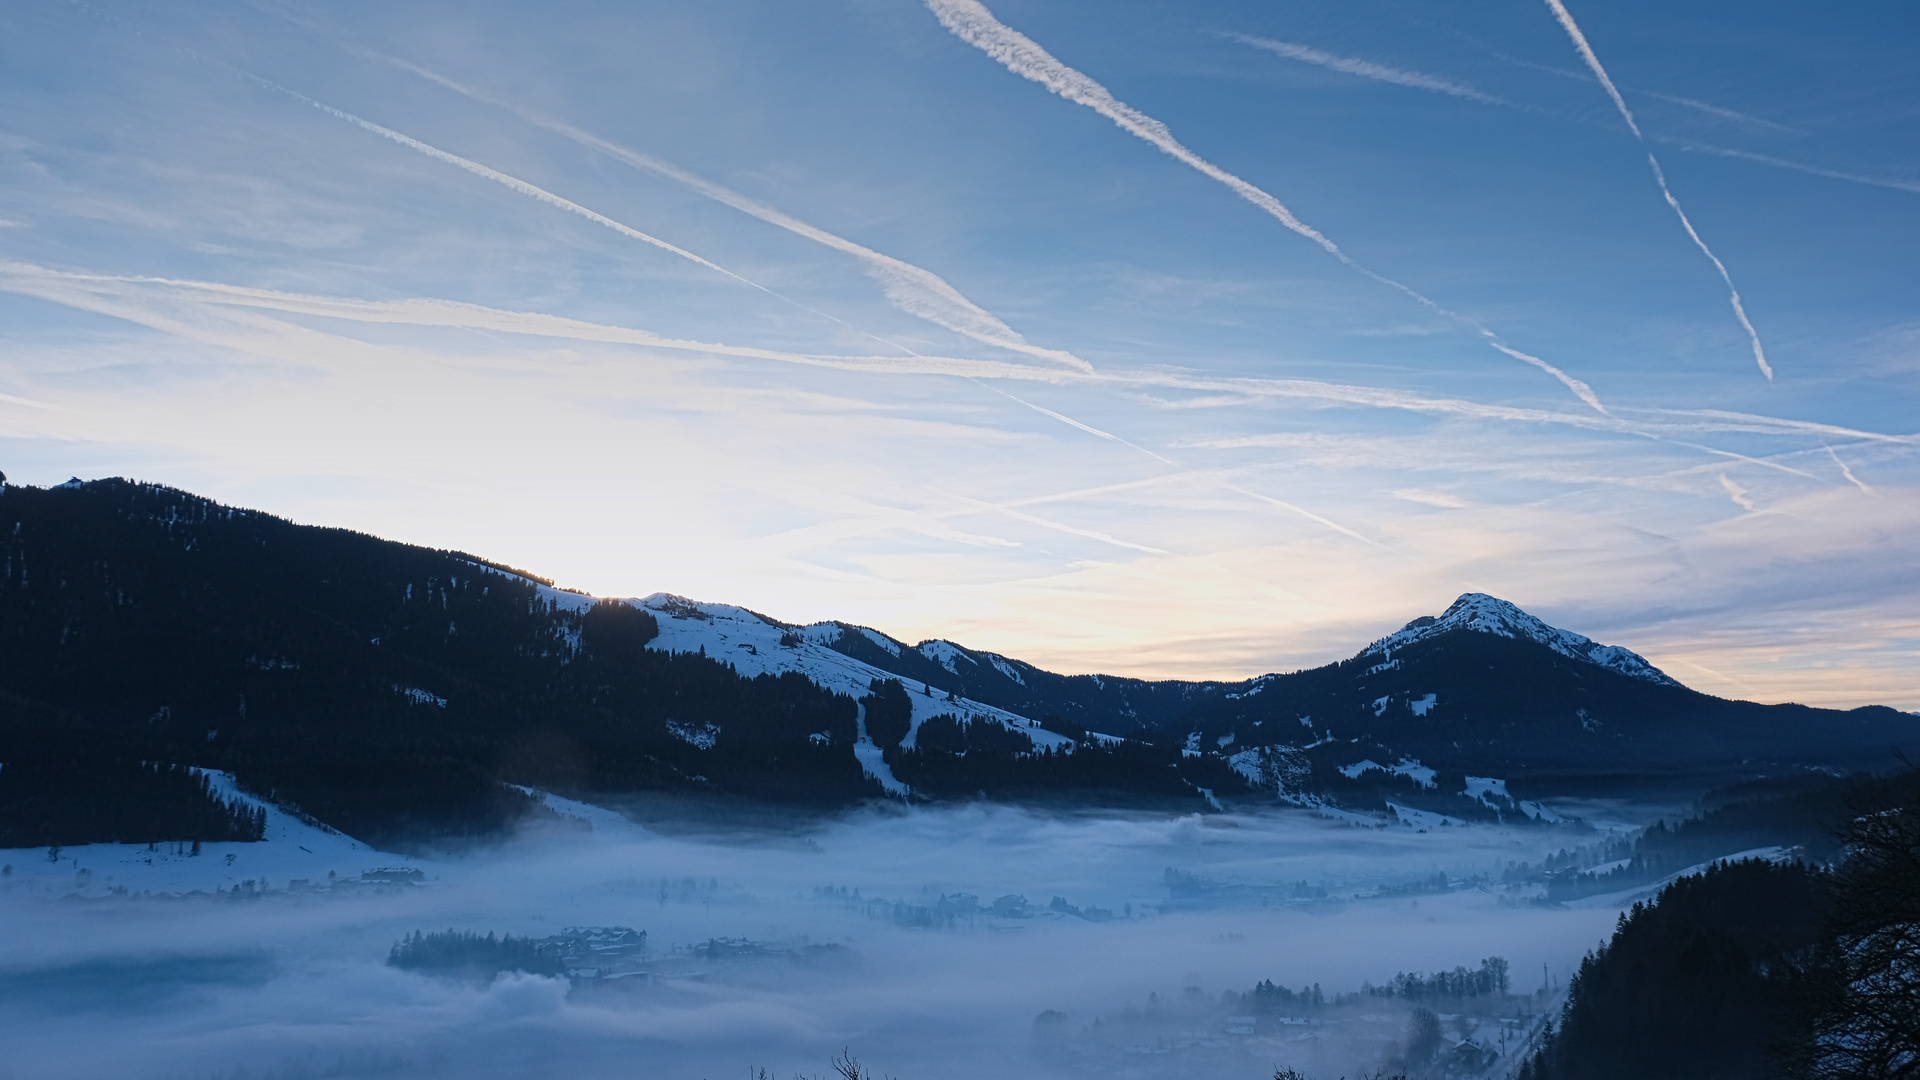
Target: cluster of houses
<point>600,954</point>
<point>1194,1036</point>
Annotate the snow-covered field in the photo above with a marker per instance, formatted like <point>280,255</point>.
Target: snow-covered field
<point>132,962</point>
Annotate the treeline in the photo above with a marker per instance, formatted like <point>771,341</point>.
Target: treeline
<point>58,795</point>
<point>1115,705</point>
<point>391,691</point>
<point>466,955</point>
<point>1757,970</point>
<point>1268,997</point>
<point>1490,979</point>
<point>958,757</point>
<point>1450,990</point>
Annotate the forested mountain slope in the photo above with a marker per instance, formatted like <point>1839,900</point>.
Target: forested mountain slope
<point>382,688</point>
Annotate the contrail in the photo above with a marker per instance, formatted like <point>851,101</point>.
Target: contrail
<point>1720,111</point>
<point>1284,505</point>
<point>1071,422</point>
<point>1045,523</point>
<point>1707,107</point>
<point>972,23</point>
<point>1846,472</point>
<point>509,182</point>
<point>1774,425</point>
<point>1737,493</point>
<point>68,288</point>
<point>106,294</point>
<point>85,291</point>
<point>1367,69</point>
<point>912,289</point>
<point>1310,515</point>
<point>1660,177</point>
<point>1797,166</point>
<point>1762,462</point>
<point>514,183</point>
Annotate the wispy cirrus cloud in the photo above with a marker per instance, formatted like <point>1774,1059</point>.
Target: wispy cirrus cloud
<point>972,23</point>
<point>1367,69</point>
<point>151,301</point>
<point>127,297</point>
<point>1592,59</point>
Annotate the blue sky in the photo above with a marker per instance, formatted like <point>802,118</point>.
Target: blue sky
<point>1169,339</point>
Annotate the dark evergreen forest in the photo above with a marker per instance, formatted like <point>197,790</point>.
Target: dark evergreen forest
<point>57,793</point>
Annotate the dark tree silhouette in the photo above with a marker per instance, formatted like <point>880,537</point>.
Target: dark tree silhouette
<point>1423,1036</point>
<point>1861,989</point>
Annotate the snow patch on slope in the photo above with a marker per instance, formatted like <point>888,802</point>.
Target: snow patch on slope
<point>891,646</point>
<point>752,645</point>
<point>1424,819</point>
<point>702,734</point>
<point>946,654</point>
<point>1479,787</point>
<point>1491,615</point>
<point>1279,769</point>
<point>1253,687</point>
<point>1407,767</point>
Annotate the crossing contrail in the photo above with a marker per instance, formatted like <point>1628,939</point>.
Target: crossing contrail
<point>972,23</point>
<point>514,183</point>
<point>913,289</point>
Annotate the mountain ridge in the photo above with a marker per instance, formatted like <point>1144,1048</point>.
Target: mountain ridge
<point>393,690</point>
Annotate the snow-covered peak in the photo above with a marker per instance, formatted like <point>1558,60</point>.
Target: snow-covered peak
<point>1492,615</point>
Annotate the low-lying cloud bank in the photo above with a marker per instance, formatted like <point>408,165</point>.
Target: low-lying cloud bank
<point>947,943</point>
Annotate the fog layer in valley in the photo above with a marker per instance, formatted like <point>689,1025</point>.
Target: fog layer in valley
<point>266,980</point>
